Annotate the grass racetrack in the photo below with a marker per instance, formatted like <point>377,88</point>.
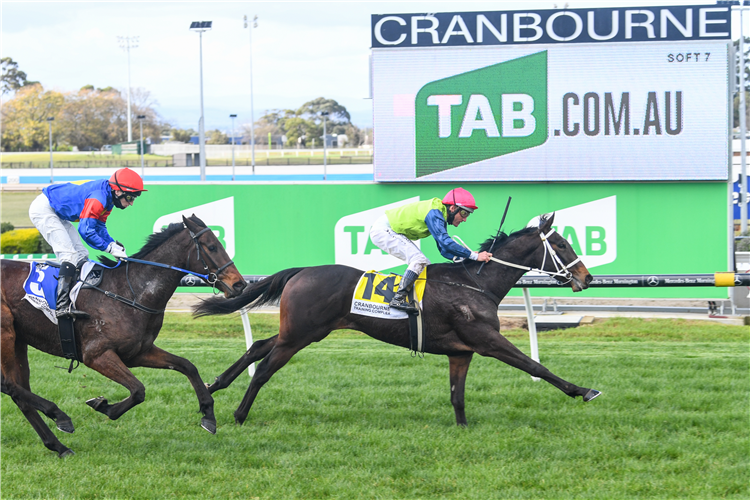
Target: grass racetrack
<point>15,207</point>
<point>351,417</point>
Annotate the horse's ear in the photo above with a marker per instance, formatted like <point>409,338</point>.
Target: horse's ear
<point>547,223</point>
<point>190,224</point>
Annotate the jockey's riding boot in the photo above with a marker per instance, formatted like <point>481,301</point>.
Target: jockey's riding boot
<point>79,268</point>
<point>65,283</point>
<point>399,301</point>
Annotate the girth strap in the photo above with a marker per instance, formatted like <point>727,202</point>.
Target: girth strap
<point>68,340</point>
<point>417,341</point>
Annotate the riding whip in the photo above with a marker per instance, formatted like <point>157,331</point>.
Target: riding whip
<point>498,232</point>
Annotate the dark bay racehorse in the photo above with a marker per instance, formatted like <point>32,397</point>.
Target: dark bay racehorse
<point>460,310</point>
<point>116,336</point>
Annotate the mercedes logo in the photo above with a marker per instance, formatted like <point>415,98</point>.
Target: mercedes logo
<point>737,280</point>
<point>652,281</point>
<point>190,280</point>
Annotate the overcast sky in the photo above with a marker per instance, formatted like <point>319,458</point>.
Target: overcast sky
<point>301,50</point>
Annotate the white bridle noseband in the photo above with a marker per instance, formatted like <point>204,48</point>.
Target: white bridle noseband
<point>561,270</point>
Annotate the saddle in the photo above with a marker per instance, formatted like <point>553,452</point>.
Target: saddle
<point>41,292</point>
<point>373,292</point>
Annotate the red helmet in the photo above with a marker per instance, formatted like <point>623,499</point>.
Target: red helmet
<point>461,198</point>
<point>127,180</point>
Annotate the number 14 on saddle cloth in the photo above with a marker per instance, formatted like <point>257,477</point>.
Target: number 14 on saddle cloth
<point>375,290</point>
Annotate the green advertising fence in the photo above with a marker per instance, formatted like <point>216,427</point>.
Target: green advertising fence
<point>617,228</point>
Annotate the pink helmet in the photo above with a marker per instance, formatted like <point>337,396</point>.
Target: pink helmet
<point>461,198</point>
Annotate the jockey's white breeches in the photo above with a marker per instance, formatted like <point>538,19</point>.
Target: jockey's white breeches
<point>398,245</point>
<point>60,234</point>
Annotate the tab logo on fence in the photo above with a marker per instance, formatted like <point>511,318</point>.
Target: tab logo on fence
<point>591,229</point>
<point>217,215</point>
<point>353,246</point>
<point>481,114</point>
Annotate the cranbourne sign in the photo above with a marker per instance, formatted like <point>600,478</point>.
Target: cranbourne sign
<point>615,94</point>
<point>641,24</point>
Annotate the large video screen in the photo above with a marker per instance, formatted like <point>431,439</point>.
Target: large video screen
<point>651,110</point>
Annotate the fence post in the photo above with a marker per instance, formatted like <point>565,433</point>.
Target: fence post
<point>248,338</point>
<point>532,329</point>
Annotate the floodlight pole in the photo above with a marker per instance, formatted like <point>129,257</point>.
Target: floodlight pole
<point>743,128</point>
<point>252,112</point>
<point>201,129</point>
<point>325,157</point>
<point>232,117</point>
<point>51,161</point>
<point>200,27</point>
<point>127,43</point>
<point>140,146</point>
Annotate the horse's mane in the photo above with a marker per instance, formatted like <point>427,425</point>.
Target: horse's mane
<point>155,240</point>
<point>504,239</point>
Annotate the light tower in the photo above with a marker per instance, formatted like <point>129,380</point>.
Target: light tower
<point>126,43</point>
<point>200,27</point>
<point>252,114</point>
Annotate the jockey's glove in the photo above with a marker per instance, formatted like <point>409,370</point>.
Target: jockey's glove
<point>117,250</point>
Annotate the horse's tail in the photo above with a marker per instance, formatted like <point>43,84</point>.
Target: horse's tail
<point>261,293</point>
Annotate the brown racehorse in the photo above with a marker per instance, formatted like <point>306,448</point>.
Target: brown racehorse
<point>459,307</point>
<point>116,336</point>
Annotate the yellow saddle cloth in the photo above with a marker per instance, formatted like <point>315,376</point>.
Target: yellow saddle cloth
<point>375,290</point>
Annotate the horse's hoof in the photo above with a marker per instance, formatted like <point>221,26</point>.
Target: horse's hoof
<point>96,403</point>
<point>65,426</point>
<point>593,393</point>
<point>239,418</point>
<point>66,453</point>
<point>209,425</point>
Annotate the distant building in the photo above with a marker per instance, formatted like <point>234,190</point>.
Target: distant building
<point>336,140</point>
<point>195,139</point>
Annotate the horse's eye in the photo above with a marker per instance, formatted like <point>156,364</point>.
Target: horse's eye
<point>562,246</point>
<point>212,248</point>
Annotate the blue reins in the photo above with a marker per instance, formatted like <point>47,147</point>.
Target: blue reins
<point>204,277</point>
<point>155,264</point>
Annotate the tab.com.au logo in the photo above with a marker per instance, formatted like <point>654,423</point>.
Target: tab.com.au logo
<point>481,114</point>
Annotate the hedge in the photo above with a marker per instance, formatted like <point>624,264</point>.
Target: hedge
<point>23,241</point>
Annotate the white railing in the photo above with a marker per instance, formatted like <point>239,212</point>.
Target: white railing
<point>245,151</point>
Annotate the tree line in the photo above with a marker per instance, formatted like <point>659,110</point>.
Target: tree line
<point>301,127</point>
<point>87,119</point>
<point>91,117</point>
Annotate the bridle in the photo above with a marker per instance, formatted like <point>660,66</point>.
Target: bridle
<point>562,271</point>
<point>206,277</point>
<point>210,278</point>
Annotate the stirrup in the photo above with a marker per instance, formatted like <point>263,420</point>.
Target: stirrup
<point>72,313</point>
<point>402,304</point>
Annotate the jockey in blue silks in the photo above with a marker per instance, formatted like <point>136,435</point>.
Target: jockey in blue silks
<point>88,203</point>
